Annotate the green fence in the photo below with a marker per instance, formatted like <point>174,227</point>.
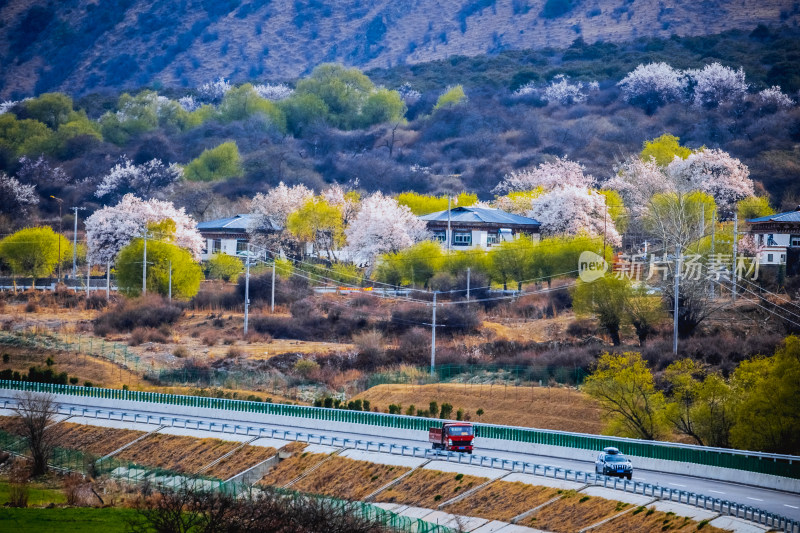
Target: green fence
<point>735,459</point>
<point>79,461</point>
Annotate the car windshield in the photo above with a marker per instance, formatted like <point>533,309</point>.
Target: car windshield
<point>459,431</point>
<point>615,459</point>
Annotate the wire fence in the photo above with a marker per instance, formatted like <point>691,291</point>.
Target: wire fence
<point>78,461</point>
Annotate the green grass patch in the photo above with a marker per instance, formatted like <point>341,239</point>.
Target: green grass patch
<point>38,496</point>
<point>73,519</point>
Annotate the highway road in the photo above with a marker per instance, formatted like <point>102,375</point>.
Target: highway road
<point>783,503</point>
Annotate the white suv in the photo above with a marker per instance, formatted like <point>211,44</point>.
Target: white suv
<point>612,463</point>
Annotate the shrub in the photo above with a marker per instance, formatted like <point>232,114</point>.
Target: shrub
<point>371,348</point>
<point>215,164</point>
<point>31,307</point>
<point>234,352</point>
<point>96,302</point>
<point>151,311</point>
<point>73,380</point>
<point>223,266</point>
<point>306,367</point>
<point>180,352</point>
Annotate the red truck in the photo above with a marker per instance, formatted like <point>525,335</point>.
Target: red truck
<point>452,437</point>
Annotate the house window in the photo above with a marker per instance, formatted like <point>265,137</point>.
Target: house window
<point>769,258</point>
<point>440,236</point>
<point>241,245</point>
<point>462,239</point>
<point>492,238</point>
<point>771,240</point>
<point>794,241</point>
<point>783,258</point>
<point>216,246</point>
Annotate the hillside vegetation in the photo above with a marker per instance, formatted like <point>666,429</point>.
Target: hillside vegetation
<point>80,45</point>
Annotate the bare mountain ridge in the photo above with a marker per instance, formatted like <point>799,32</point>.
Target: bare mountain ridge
<point>79,46</point>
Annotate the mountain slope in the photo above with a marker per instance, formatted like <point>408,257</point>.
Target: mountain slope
<point>82,45</point>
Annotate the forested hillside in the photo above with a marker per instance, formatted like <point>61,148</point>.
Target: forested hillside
<point>79,46</point>
<point>461,124</point>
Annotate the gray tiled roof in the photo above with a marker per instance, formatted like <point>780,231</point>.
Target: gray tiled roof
<point>236,223</point>
<point>788,216</point>
<point>477,215</point>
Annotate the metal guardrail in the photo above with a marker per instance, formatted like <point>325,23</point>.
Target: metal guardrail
<point>722,506</point>
<point>764,463</point>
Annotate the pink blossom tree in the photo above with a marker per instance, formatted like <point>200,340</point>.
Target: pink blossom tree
<point>637,181</point>
<point>110,229</point>
<point>573,211</point>
<point>558,173</point>
<point>713,172</point>
<point>270,210</point>
<point>382,226</point>
<point>652,85</point>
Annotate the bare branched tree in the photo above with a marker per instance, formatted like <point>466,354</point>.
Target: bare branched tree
<point>37,412</point>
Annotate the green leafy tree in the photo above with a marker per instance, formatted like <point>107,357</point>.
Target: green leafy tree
<point>52,109</point>
<point>623,385</point>
<point>24,136</point>
<point>644,311</point>
<point>186,273</point>
<point>754,207</point>
<point>664,149</point>
<point>302,110</point>
<point>701,404</point>
<point>224,266</point>
<point>414,265</point>
<point>768,414</point>
<point>513,261</point>
<point>34,251</point>
<point>423,204</point>
<point>604,298</point>
<point>382,106</point>
<point>318,222</point>
<point>215,164</point>
<point>451,97</point>
<point>243,101</point>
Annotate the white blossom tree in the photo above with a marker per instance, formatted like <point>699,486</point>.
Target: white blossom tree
<point>188,103</point>
<point>144,179</point>
<point>382,226</point>
<point>714,172</point>
<point>716,84</point>
<point>110,229</point>
<point>214,91</point>
<point>275,92</point>
<point>774,98</point>
<point>409,95</point>
<point>560,91</point>
<point>637,181</point>
<point>652,85</point>
<point>16,198</point>
<point>572,211</point>
<point>558,173</point>
<point>271,210</point>
<point>41,173</point>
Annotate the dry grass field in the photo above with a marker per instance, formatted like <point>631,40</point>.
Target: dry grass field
<point>642,520</point>
<point>180,454</point>
<point>290,468</point>
<point>349,479</point>
<point>562,409</point>
<point>573,512</point>
<point>95,440</point>
<point>247,457</point>
<point>429,488</point>
<point>503,500</point>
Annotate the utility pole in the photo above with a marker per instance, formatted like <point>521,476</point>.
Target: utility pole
<point>468,272</point>
<point>675,296</point>
<point>433,337</point>
<point>449,231</point>
<point>60,223</point>
<point>144,265</point>
<point>247,290</point>
<point>108,280</point>
<point>88,277</point>
<point>272,296</point>
<point>735,252</point>
<point>170,280</point>
<point>713,244</point>
<point>75,243</point>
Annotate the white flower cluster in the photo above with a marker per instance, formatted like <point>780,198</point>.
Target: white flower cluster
<point>213,91</point>
<point>273,92</point>
<point>713,172</point>
<point>574,210</point>
<point>144,178</point>
<point>409,95</point>
<point>110,229</point>
<point>15,198</point>
<point>6,106</point>
<point>775,97</point>
<point>716,84</point>
<point>273,208</point>
<point>188,103</point>
<point>653,84</point>
<point>549,175</point>
<point>559,91</point>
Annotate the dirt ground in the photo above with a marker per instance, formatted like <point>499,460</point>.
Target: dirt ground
<point>564,409</point>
